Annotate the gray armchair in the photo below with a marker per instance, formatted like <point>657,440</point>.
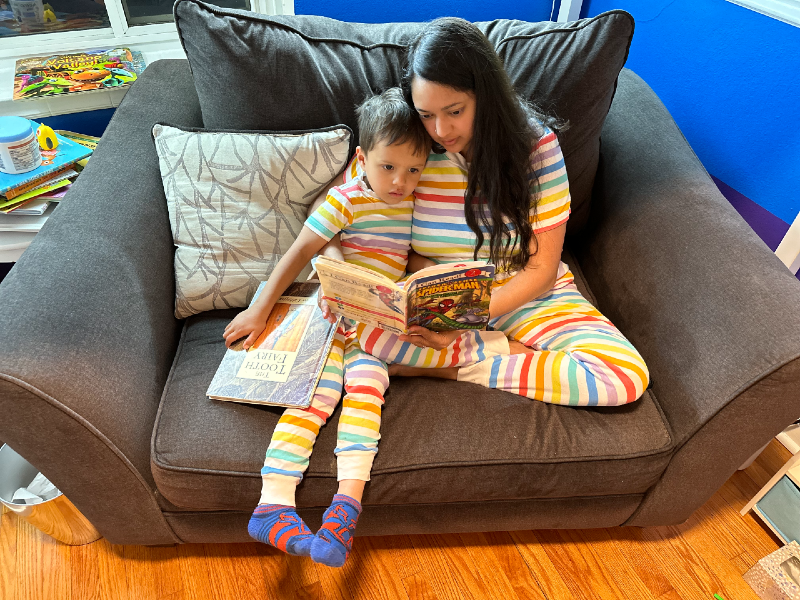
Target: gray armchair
<point>102,389</point>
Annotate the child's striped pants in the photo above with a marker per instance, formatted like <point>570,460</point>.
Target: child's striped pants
<point>365,380</point>
<point>579,357</point>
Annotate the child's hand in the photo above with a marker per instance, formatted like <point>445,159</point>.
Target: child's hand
<point>323,306</point>
<point>248,323</point>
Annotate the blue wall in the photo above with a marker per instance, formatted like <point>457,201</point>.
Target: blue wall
<point>382,11</point>
<point>731,79</point>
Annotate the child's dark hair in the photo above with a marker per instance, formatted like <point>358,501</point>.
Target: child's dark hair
<point>388,118</point>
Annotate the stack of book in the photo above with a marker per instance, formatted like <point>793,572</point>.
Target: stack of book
<point>32,192</point>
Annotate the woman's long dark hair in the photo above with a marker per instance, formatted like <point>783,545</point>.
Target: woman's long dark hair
<point>455,53</point>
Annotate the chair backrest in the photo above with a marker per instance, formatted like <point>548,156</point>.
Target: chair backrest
<point>295,72</point>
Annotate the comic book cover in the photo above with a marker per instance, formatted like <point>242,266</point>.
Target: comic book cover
<point>458,299</point>
<point>58,74</point>
<point>284,364</point>
<point>441,297</point>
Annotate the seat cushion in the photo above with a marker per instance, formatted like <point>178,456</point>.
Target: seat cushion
<point>296,72</point>
<point>442,442</point>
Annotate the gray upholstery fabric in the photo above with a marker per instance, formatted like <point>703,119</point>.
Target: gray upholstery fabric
<point>246,71</point>
<point>455,517</point>
<point>697,292</point>
<point>88,323</point>
<point>432,448</point>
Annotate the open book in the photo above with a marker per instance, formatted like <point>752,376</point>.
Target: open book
<point>441,297</point>
<point>284,364</point>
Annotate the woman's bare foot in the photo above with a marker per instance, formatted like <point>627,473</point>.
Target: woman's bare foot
<point>405,371</point>
<point>515,347</point>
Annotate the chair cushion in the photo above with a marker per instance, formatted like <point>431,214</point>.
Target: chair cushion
<point>295,72</point>
<point>237,201</point>
<point>441,442</point>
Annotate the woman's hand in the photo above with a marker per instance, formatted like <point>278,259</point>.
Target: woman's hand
<point>248,323</point>
<point>425,338</point>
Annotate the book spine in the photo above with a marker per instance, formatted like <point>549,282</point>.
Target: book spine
<point>29,185</point>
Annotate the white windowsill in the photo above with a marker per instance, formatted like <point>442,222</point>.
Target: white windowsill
<point>787,11</point>
<point>163,46</point>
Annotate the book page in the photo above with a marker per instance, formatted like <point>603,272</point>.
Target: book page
<point>362,295</point>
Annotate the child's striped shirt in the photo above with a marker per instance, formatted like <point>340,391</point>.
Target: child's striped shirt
<point>375,234</point>
<point>440,231</point>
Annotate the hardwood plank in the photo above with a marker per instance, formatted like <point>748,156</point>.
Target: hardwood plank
<point>636,555</point>
<point>743,563</point>
<point>678,563</point>
<point>151,572</point>
<point>614,564</point>
<point>43,568</point>
<point>571,556</point>
<point>760,539</point>
<point>448,572</point>
<point>334,581</point>
<point>111,570</point>
<point>85,573</point>
<point>278,579</point>
<point>370,574</point>
<point>511,563</point>
<point>541,567</point>
<point>195,571</point>
<point>670,595</point>
<point>403,554</point>
<point>8,556</point>
<point>418,588</point>
<point>488,566</point>
<point>707,548</point>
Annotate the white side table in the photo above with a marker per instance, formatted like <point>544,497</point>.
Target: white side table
<point>17,232</point>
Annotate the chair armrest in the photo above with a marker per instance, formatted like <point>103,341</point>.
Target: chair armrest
<point>714,313</point>
<point>87,324</point>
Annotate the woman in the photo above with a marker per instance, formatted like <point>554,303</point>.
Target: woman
<point>499,192</point>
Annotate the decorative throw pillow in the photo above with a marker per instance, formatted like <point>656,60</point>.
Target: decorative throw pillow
<point>237,200</point>
<point>288,72</point>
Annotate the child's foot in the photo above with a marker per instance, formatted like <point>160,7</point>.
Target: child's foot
<point>334,539</point>
<point>282,527</point>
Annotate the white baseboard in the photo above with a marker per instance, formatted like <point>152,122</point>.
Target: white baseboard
<point>790,438</point>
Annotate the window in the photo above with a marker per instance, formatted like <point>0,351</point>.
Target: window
<point>37,27</point>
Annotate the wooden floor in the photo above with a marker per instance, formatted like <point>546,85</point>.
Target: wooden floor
<point>704,556</point>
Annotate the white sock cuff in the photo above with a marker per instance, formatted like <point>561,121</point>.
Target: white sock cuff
<point>354,464</point>
<point>278,489</point>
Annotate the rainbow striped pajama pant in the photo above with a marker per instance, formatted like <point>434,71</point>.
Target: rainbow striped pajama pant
<point>579,357</point>
<point>365,380</point>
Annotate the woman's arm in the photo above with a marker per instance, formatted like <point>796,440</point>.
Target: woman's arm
<point>533,281</point>
<point>536,278</point>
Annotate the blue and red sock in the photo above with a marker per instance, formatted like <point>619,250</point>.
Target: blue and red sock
<point>333,541</point>
<point>282,527</point>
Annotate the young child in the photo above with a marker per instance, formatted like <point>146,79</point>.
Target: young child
<point>373,213</point>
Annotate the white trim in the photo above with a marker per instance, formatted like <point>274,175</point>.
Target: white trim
<point>787,11</point>
<point>789,249</point>
<point>570,10</point>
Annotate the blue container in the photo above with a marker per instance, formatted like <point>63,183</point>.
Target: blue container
<point>19,148</point>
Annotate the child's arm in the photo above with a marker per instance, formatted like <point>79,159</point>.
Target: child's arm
<point>252,321</point>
